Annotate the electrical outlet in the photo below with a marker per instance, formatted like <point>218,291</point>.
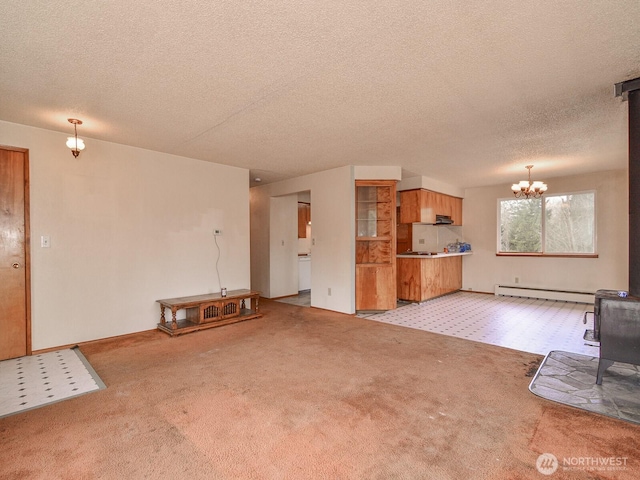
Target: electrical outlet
<point>421,241</point>
<point>45,241</point>
<point>329,291</point>
<point>217,232</point>
<point>517,279</point>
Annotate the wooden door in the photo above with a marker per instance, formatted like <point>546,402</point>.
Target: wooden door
<point>15,321</point>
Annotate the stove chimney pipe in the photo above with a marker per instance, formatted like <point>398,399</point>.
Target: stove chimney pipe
<point>630,90</point>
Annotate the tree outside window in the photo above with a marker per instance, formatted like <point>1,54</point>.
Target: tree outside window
<point>554,224</point>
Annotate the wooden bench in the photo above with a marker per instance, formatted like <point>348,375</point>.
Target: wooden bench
<point>208,311</point>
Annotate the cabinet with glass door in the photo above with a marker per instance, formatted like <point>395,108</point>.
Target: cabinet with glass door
<point>375,244</point>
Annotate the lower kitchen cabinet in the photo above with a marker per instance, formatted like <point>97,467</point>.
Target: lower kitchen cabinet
<point>420,279</point>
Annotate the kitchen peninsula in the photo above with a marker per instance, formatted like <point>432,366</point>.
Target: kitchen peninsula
<point>426,275</point>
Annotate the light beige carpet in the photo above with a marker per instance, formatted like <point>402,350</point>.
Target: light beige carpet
<point>308,394</point>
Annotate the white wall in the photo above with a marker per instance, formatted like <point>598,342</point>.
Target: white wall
<point>483,269</point>
<point>427,183</point>
<point>260,238</point>
<point>128,226</point>
<point>332,236</point>
<point>333,239</point>
<point>365,172</point>
<point>283,241</point>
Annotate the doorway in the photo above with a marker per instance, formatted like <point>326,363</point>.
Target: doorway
<point>15,279</point>
<point>304,248</point>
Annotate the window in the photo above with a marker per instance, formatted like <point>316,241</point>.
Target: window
<point>552,225</point>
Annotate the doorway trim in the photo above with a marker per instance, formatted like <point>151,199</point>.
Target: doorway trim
<point>27,241</point>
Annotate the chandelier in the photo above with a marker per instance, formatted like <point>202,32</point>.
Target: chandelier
<point>527,188</point>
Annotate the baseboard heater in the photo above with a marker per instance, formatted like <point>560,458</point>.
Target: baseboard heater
<point>545,294</point>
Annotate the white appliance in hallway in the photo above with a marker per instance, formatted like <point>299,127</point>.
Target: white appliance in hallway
<point>304,272</point>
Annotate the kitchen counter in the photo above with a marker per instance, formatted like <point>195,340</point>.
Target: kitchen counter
<point>432,254</point>
<point>422,277</point>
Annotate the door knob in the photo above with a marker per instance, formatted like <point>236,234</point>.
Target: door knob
<point>16,265</point>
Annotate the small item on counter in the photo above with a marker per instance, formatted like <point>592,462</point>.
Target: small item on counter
<point>623,294</point>
<point>446,250</point>
<point>458,247</point>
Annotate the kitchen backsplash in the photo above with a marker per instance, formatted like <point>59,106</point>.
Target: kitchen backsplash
<point>304,244</point>
<point>432,238</point>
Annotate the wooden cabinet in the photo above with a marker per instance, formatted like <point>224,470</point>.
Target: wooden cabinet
<point>304,217</point>
<point>375,245</point>
<point>422,206</point>
<point>420,279</point>
<point>208,310</point>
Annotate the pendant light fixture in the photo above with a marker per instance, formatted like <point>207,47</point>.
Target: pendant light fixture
<point>527,188</point>
<point>74,143</point>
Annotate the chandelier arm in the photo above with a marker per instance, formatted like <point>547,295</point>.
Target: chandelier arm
<point>529,190</point>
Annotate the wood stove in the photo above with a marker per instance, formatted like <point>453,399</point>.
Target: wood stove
<point>617,314</point>
<point>616,325</point>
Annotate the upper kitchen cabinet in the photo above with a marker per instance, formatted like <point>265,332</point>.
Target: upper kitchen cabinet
<point>422,206</point>
<point>304,217</point>
<point>375,245</point>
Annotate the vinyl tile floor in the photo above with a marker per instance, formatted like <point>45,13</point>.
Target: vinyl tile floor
<point>303,299</point>
<point>525,324</point>
<point>37,380</point>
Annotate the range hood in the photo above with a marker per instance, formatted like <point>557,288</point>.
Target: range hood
<point>440,220</point>
<point>443,220</point>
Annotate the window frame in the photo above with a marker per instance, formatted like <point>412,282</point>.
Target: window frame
<point>543,229</point>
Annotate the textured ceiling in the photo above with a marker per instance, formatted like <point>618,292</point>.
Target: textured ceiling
<point>465,92</point>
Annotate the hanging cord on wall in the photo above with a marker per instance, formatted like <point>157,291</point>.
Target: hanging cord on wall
<point>215,239</point>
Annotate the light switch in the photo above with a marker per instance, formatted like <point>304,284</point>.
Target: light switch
<point>45,241</point>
